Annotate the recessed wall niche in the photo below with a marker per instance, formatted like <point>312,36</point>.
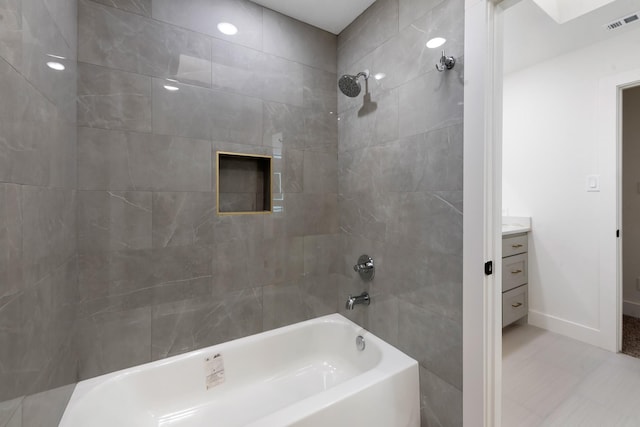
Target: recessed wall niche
<point>243,183</point>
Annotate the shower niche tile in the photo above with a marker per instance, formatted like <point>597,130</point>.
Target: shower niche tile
<point>243,183</point>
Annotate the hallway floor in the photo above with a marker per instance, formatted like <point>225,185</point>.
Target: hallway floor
<point>551,380</point>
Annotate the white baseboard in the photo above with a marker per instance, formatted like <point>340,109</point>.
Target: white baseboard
<point>567,328</point>
<point>631,308</point>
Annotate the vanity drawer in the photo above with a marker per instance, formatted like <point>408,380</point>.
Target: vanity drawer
<point>515,305</point>
<point>514,245</point>
<point>514,271</point>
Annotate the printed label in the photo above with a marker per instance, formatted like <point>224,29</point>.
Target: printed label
<point>213,370</point>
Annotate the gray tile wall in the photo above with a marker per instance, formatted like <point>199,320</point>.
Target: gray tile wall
<point>400,188</point>
<point>159,272</point>
<point>38,263</point>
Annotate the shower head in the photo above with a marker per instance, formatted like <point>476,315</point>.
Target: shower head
<point>350,86</point>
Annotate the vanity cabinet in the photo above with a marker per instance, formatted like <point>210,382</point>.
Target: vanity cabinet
<point>515,301</point>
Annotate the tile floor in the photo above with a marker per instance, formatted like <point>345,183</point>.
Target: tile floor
<point>552,380</point>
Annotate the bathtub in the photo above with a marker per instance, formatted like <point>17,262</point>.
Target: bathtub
<point>309,374</point>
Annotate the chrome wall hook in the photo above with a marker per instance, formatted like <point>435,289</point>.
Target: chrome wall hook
<point>446,62</point>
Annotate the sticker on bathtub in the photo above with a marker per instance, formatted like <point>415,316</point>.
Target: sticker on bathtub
<point>213,370</point>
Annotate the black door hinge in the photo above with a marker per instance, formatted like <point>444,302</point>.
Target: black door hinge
<point>617,233</point>
<point>488,268</point>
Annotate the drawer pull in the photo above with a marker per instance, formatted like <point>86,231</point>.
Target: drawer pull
<point>516,246</point>
<point>516,272</point>
<point>516,305</point>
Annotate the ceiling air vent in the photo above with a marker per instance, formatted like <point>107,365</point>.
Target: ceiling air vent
<point>619,23</point>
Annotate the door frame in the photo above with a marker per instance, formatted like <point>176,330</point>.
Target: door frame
<point>482,326</point>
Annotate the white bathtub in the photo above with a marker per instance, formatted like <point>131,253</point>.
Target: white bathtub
<point>307,374</point>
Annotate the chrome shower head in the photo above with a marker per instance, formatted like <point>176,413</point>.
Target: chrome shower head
<point>350,86</point>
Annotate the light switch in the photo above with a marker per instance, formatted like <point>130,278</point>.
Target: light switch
<point>593,183</point>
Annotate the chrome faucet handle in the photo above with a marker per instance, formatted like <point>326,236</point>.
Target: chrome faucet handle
<point>365,267</point>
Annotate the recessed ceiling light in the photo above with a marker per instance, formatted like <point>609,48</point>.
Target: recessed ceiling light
<point>55,56</point>
<point>227,28</point>
<point>436,42</point>
<point>55,66</point>
<point>380,76</point>
<point>171,88</point>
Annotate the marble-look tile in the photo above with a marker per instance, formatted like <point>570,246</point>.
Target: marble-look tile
<point>322,254</point>
<point>112,99</point>
<point>301,300</point>
<point>49,236</point>
<point>11,29</point>
<point>432,281</point>
<point>35,330</point>
<point>423,222</point>
<point>200,113</point>
<point>188,325</point>
<point>291,173</point>
<point>11,271</point>
<point>374,122</point>
<point>319,90</point>
<point>183,218</point>
<point>409,10</point>
<point>431,101</point>
<point>45,409</point>
<point>11,413</point>
<point>284,126</point>
<point>112,274</point>
<point>115,160</point>
<point>311,213</point>
<point>383,316</point>
<point>360,170</point>
<point>282,81</point>
<point>65,15</point>
<point>300,42</point>
<point>320,172</point>
<point>230,267</point>
<point>130,42</point>
<point>322,130</point>
<point>141,7</point>
<point>113,220</point>
<point>276,260</point>
<point>128,279</point>
<point>111,341</point>
<point>434,341</point>
<point>36,137</point>
<point>237,68</point>
<point>405,56</point>
<point>203,15</point>
<point>42,37</point>
<point>372,28</point>
<point>227,228</point>
<point>362,214</point>
<point>424,162</point>
<point>440,402</point>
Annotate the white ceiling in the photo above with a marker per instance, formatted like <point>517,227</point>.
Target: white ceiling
<point>532,36</point>
<point>330,15</point>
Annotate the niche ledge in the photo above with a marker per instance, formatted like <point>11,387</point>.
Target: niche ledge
<point>243,183</point>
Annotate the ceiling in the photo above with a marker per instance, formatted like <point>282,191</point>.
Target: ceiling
<point>330,15</point>
<point>532,36</point>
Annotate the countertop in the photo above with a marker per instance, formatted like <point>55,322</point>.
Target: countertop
<point>515,225</point>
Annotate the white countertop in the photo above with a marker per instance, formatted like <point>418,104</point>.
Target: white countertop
<point>515,225</point>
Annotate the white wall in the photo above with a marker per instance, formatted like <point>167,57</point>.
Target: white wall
<point>631,199</point>
<point>551,113</point>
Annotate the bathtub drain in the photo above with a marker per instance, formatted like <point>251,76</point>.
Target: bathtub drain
<point>360,344</point>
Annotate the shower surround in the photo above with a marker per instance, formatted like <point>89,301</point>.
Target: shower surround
<point>126,262</point>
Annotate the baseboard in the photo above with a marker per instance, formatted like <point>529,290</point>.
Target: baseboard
<point>631,308</point>
<point>567,328</point>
